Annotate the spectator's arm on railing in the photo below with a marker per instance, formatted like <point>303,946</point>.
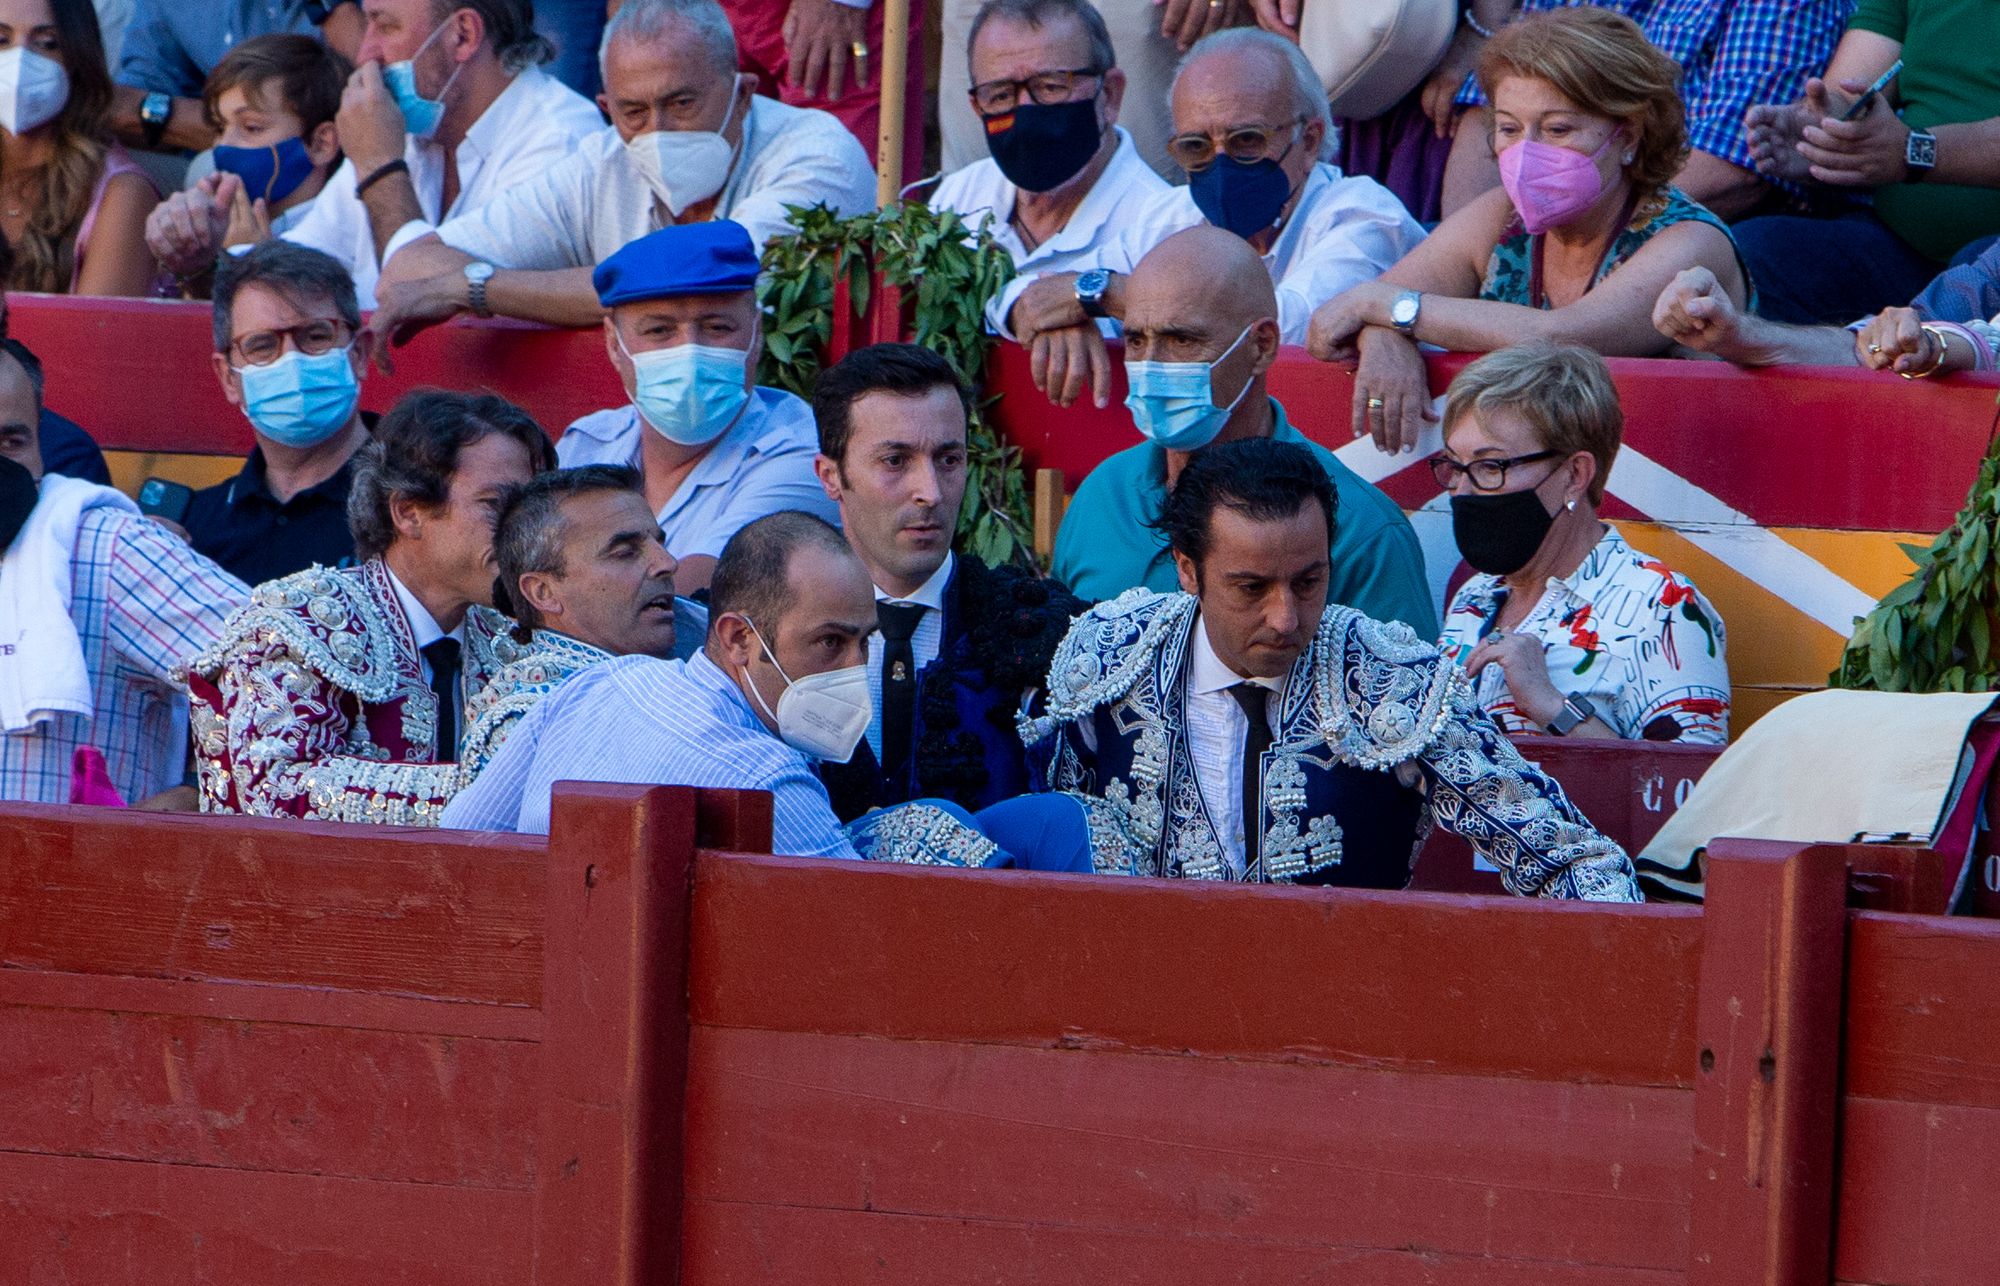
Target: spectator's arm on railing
<point>1695,312</point>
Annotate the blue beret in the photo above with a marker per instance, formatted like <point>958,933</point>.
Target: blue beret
<point>713,258</point>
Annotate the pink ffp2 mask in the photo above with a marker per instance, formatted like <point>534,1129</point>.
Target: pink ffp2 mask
<point>1551,185</point>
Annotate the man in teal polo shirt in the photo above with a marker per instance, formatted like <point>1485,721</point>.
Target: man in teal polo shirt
<point>1201,331</point>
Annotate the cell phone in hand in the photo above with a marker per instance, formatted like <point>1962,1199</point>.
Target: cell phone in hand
<point>160,498</point>
<point>1859,107</point>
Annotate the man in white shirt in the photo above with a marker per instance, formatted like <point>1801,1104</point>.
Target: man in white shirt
<point>447,110</point>
<point>714,451</point>
<point>1251,123</point>
<point>690,141</point>
<point>1064,178</point>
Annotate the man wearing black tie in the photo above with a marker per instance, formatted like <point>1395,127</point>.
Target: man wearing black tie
<point>961,643</point>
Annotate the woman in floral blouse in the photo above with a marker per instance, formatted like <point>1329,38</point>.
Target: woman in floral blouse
<point>1567,629</point>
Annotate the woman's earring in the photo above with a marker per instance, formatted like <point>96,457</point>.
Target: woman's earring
<point>1570,505</point>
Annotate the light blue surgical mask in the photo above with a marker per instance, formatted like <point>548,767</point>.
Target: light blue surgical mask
<point>690,393</point>
<point>301,400</point>
<point>1173,403</point>
<point>420,115</point>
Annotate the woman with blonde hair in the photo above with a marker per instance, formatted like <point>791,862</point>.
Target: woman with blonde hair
<point>1575,245</point>
<point>73,206</point>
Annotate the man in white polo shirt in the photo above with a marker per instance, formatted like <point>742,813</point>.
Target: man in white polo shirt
<point>689,141</point>
<point>1063,178</point>
<point>714,451</point>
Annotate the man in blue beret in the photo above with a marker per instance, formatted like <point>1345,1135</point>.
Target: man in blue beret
<point>714,450</point>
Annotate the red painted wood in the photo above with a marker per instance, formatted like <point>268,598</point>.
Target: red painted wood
<point>1917,1184</point>
<point>281,902</point>
<point>608,1159</point>
<point>268,1097</point>
<point>1190,1146</point>
<point>67,1221</point>
<point>1886,454</point>
<point>1923,1010</point>
<point>735,1245</point>
<point>1084,962</point>
<point>1766,1095</point>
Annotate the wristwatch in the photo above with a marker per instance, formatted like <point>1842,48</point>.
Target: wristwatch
<point>1575,710</point>
<point>476,275</point>
<point>155,110</point>
<point>1403,312</point>
<point>1920,154</point>
<point>1090,288</point>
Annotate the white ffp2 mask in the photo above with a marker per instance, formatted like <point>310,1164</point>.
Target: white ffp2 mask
<point>823,715</point>
<point>684,167</point>
<point>33,89</point>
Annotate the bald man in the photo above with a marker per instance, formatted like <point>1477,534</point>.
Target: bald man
<point>1198,300</point>
<point>1251,130</point>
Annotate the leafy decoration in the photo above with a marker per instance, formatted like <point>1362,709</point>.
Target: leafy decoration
<point>1936,632</point>
<point>952,272</point>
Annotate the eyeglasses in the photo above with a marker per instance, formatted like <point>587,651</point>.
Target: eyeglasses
<point>1245,143</point>
<point>262,347</point>
<point>1044,88</point>
<point>1487,475</point>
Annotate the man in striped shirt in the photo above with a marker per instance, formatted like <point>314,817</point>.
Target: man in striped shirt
<point>140,602</point>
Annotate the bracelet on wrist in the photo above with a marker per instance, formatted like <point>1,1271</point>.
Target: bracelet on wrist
<point>381,172</point>
<point>1943,338</point>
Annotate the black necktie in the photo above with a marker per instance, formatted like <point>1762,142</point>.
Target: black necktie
<point>1256,740</point>
<point>443,656</point>
<point>899,683</point>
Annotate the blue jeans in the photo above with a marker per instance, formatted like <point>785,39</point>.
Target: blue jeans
<point>1829,272</point>
<point>1033,832</point>
<point>575,26</point>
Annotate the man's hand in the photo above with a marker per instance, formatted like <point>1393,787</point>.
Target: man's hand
<point>1186,21</point>
<point>1524,662</point>
<point>185,231</point>
<point>1049,303</point>
<point>1864,153</point>
<point>1064,358</point>
<point>1776,129</point>
<point>820,36</point>
<point>1392,391</point>
<point>1895,340</point>
<point>1279,17</point>
<point>1695,312</point>
<point>404,308</point>
<point>1440,97</point>
<point>369,123</point>
<point>249,221</point>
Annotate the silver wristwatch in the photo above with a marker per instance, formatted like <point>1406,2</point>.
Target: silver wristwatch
<point>1403,311</point>
<point>476,277</point>
<point>1576,710</point>
<point>1090,288</point>
<point>1920,155</point>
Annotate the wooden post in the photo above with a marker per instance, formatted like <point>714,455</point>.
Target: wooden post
<point>1767,1033</point>
<point>615,1037</point>
<point>895,75</point>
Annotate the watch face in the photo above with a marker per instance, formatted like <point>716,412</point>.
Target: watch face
<point>1922,151</point>
<point>1093,282</point>
<point>1403,311</point>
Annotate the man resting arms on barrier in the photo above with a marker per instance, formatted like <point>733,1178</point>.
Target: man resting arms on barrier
<point>780,686</point>
<point>1248,729</point>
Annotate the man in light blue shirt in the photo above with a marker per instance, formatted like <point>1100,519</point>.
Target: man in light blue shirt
<point>714,450</point>
<point>779,685</point>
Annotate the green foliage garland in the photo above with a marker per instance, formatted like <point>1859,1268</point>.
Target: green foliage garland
<point>953,273</point>
<point>1936,631</point>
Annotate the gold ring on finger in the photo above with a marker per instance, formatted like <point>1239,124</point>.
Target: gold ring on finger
<point>859,50</point>
<point>1374,403</point>
<point>1874,348</point>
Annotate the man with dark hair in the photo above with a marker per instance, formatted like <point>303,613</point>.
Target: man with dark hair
<point>336,694</point>
<point>584,571</point>
<point>779,687</point>
<point>962,642</point>
<point>285,325</point>
<point>97,605</point>
<point>1247,695</point>
<point>1064,177</point>
<point>447,109</point>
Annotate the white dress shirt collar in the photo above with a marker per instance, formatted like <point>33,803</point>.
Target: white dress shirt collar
<point>1208,672</point>
<point>929,594</point>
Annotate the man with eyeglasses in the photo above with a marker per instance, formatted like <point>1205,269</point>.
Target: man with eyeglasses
<point>1251,125</point>
<point>1064,178</point>
<point>285,323</point>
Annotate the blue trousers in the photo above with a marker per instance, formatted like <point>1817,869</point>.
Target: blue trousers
<point>1033,832</point>
<point>1829,272</point>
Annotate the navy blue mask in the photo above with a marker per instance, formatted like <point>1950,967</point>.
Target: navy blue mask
<point>1244,197</point>
<point>268,173</point>
<point>1041,148</point>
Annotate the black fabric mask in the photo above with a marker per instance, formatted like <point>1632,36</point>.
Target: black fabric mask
<point>1041,148</point>
<point>18,494</point>
<point>1499,534</point>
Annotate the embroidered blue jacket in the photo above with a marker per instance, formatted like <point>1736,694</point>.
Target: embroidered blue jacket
<point>1375,739</point>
